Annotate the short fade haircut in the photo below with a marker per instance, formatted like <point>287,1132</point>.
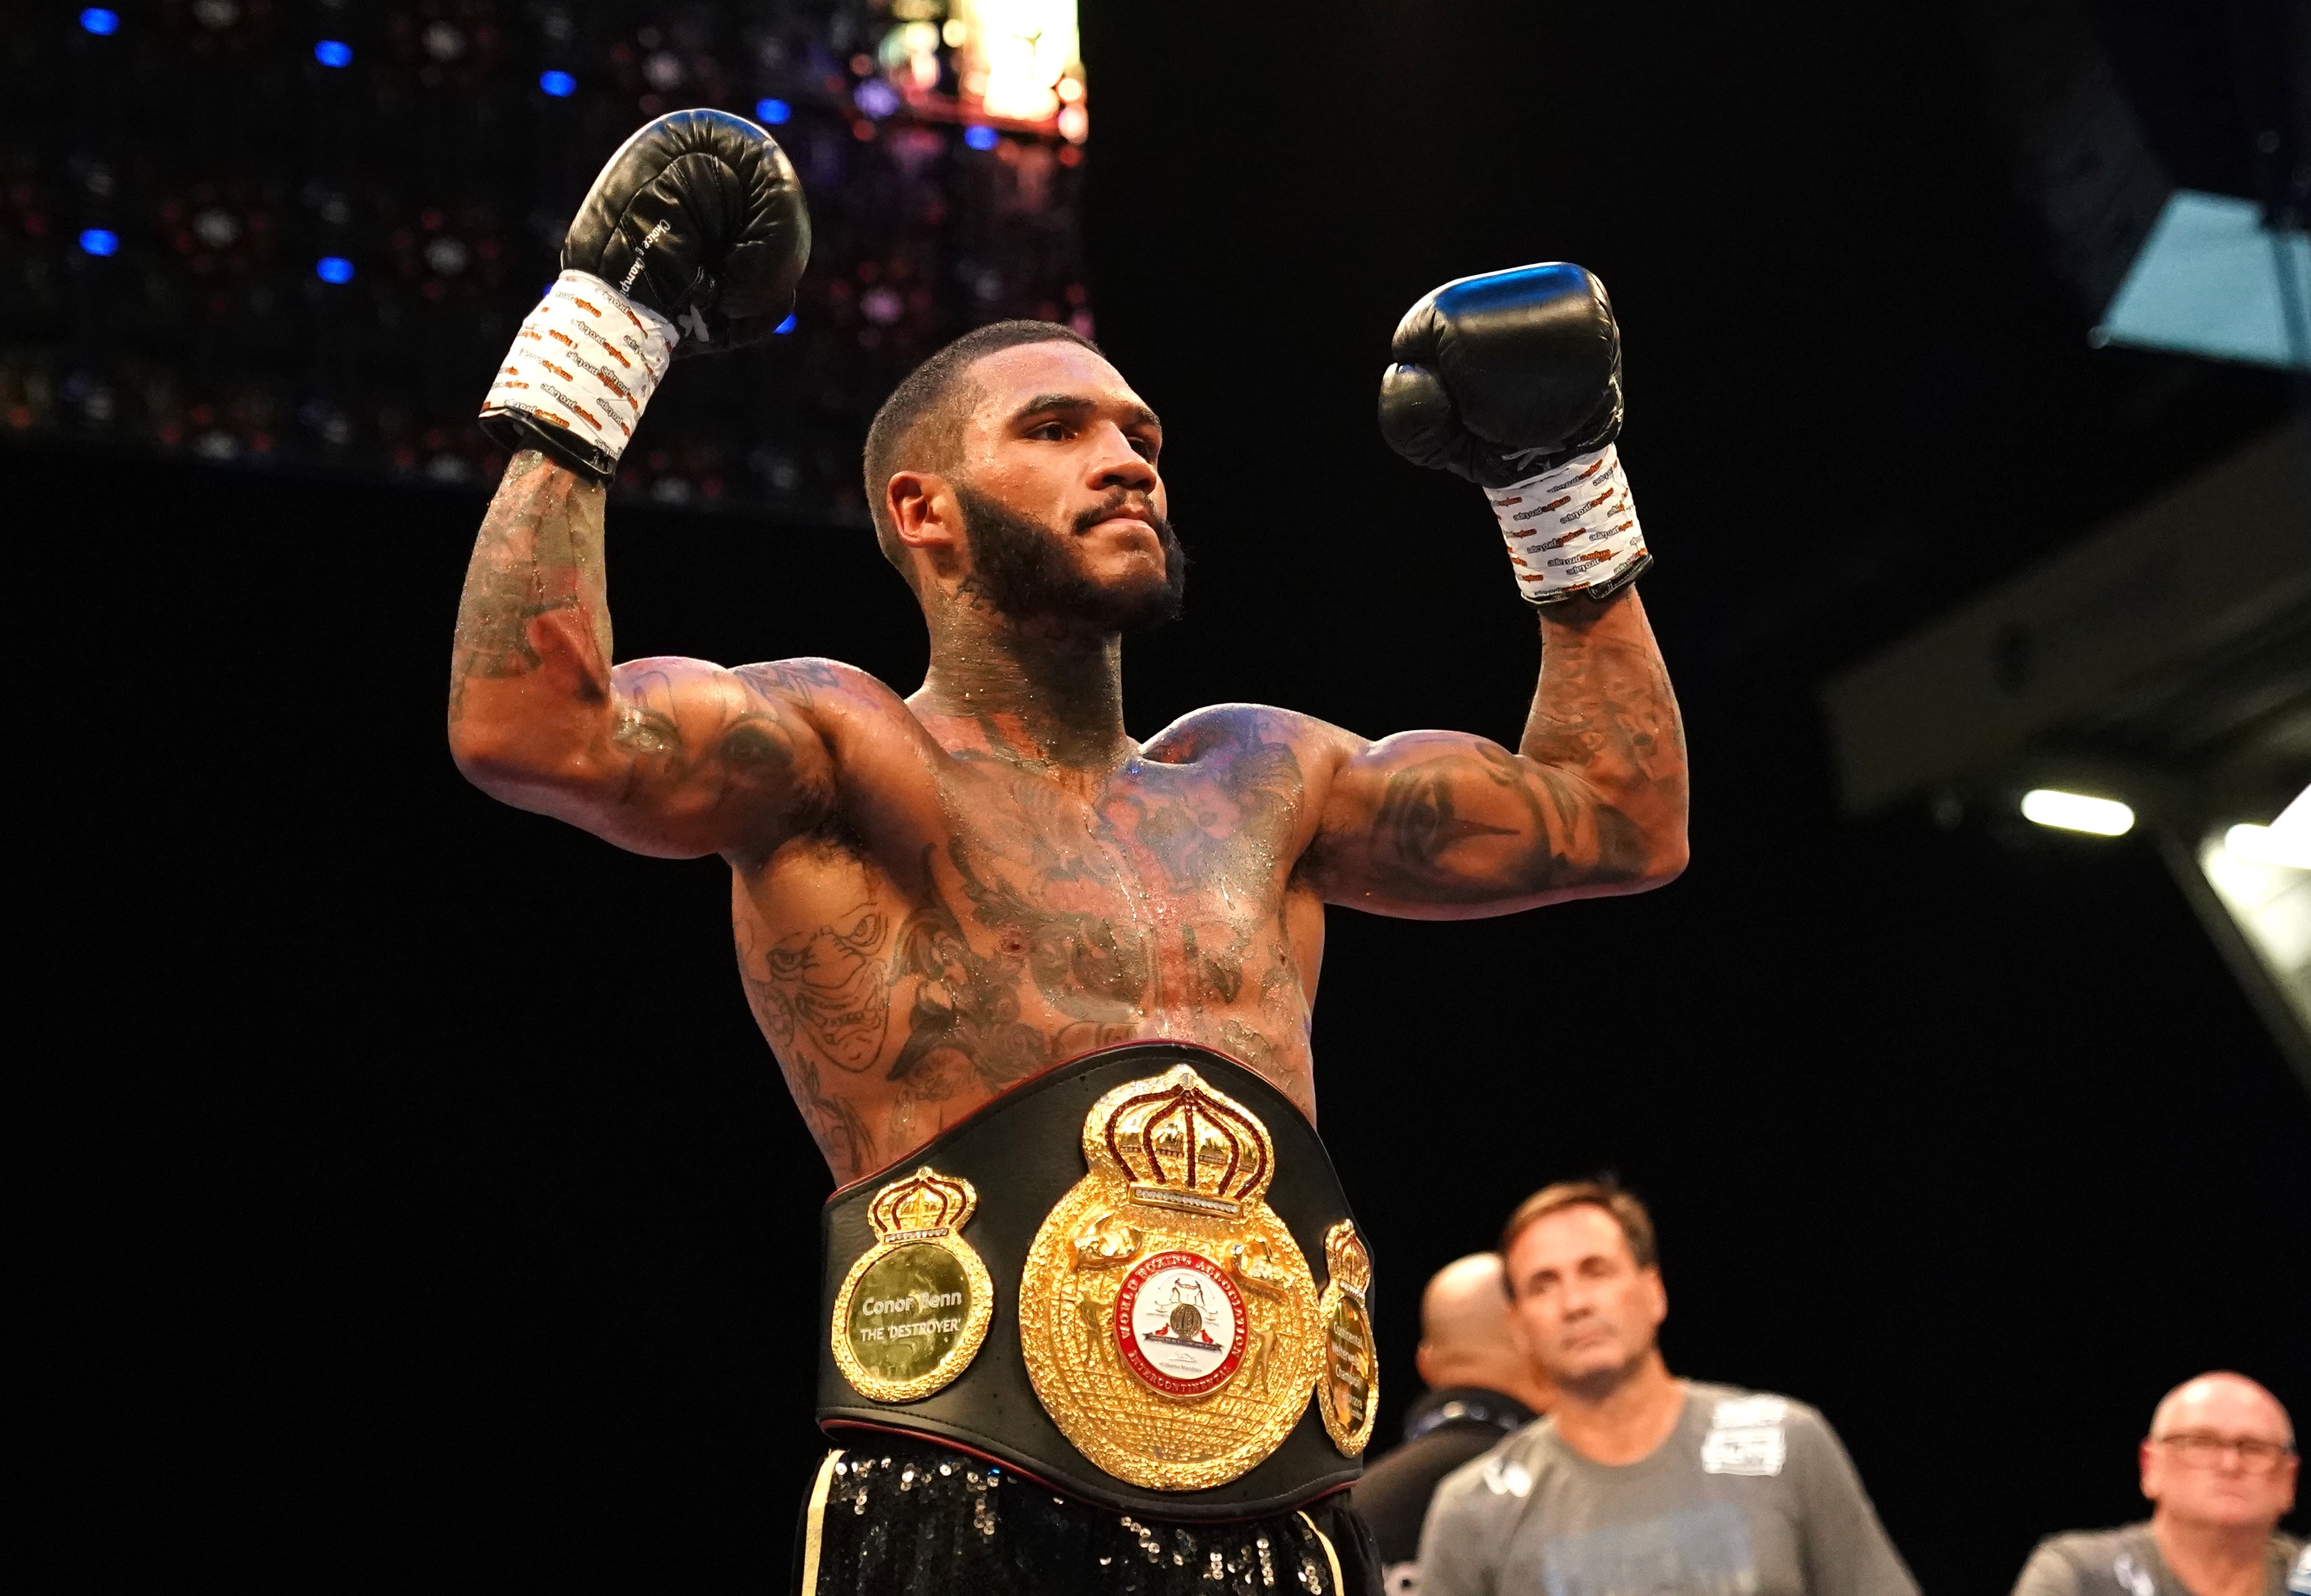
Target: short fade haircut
<point>1606,1193</point>
<point>919,426</point>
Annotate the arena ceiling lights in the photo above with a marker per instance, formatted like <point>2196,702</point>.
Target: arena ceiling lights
<point>1019,61</point>
<point>2077,812</point>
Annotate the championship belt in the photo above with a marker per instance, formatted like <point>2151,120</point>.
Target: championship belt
<point>1107,1280</point>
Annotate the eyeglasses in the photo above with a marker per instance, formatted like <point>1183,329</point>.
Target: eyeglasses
<point>2203,1451</point>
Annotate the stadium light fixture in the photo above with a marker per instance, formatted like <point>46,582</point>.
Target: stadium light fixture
<point>2284,842</point>
<point>2268,845</point>
<point>2261,879</point>
<point>2077,812</point>
<point>2296,817</point>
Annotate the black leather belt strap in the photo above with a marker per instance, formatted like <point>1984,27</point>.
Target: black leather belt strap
<point>1024,1151</point>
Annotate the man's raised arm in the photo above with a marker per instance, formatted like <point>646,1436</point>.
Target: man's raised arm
<point>1512,381</point>
<point>690,241</point>
<point>1440,824</point>
<point>674,757</point>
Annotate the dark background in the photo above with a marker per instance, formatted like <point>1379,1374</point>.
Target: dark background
<point>433,1209</point>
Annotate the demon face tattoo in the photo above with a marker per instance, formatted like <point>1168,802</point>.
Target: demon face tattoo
<point>832,982</point>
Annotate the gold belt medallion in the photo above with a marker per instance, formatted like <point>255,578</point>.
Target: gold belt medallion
<point>914,1308</point>
<point>1167,1319</point>
<point>1347,1396</point>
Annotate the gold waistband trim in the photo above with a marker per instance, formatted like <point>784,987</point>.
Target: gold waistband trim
<point>814,1518</point>
<point>1329,1556</point>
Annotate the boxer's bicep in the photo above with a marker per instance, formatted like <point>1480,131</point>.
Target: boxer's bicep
<point>1439,825</point>
<point>697,759</point>
<point>675,757</point>
<point>678,759</point>
<point>1442,826</point>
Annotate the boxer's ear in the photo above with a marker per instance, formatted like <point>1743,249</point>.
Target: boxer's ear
<point>924,512</point>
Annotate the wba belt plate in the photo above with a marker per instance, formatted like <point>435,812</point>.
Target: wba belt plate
<point>1133,1277</point>
<point>1168,1320</point>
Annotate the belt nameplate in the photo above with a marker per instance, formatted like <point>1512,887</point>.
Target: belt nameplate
<point>1347,1394</point>
<point>915,1306</point>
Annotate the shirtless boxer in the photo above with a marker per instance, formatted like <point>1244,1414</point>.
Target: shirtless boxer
<point>988,893</point>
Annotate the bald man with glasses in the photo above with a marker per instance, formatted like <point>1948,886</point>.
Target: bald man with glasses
<point>2219,1467</point>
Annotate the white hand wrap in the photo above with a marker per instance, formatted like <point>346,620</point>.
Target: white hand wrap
<point>1571,527</point>
<point>586,361</point>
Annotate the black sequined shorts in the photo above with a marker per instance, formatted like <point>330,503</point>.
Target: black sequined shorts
<point>906,1517</point>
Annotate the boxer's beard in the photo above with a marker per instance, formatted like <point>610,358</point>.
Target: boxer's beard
<point>1026,570</point>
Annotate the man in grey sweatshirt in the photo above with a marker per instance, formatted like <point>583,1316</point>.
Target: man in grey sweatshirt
<point>1637,1483</point>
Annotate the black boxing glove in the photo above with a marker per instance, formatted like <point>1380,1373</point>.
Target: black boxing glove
<point>1513,379</point>
<point>689,242</point>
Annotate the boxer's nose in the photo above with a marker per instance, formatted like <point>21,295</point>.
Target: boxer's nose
<point>1117,465</point>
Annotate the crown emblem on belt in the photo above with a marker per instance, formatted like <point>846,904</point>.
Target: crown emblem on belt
<point>1180,1144</point>
<point>1346,1259</point>
<point>924,1205</point>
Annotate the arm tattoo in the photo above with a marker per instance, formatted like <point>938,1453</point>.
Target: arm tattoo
<point>1604,707</point>
<point>714,754</point>
<point>1604,737</point>
<point>784,683</point>
<point>1419,826</point>
<point>540,550</point>
<point>1595,796</point>
<point>1415,820</point>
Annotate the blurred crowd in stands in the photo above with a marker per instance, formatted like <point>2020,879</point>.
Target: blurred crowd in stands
<point>297,236</point>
